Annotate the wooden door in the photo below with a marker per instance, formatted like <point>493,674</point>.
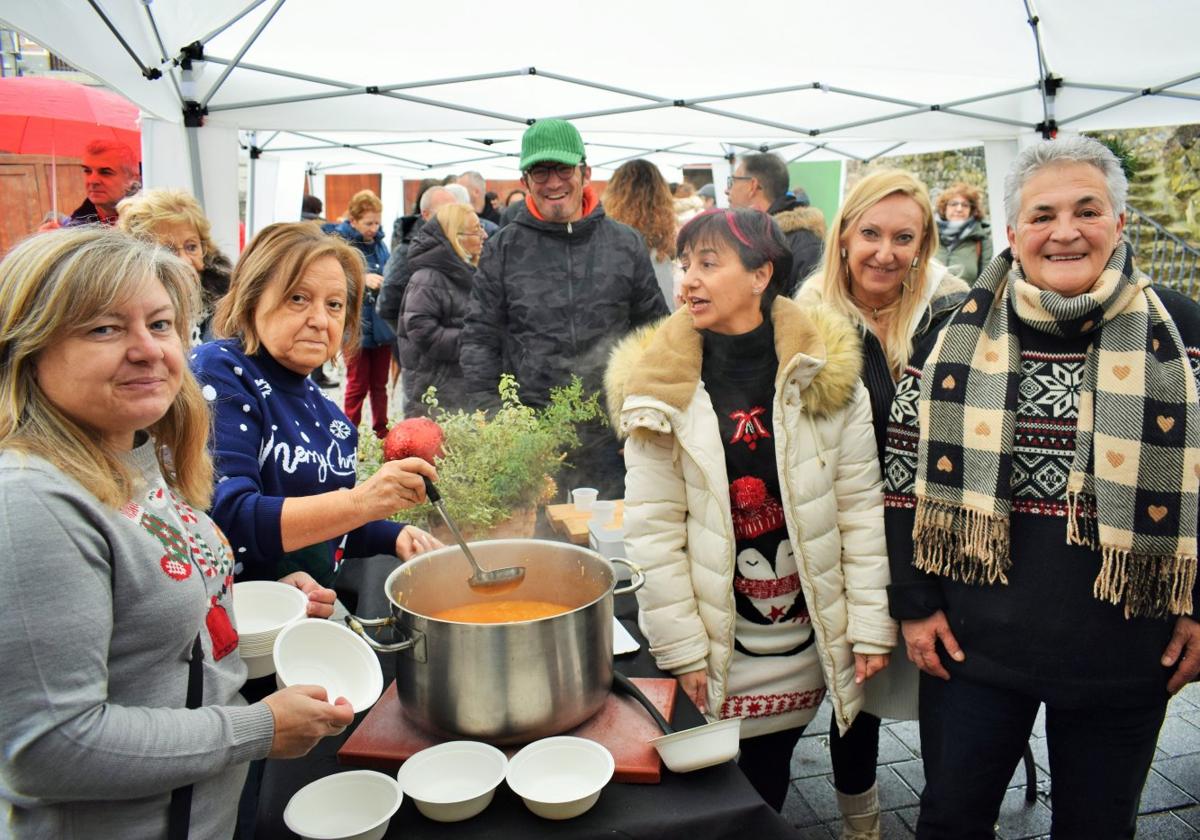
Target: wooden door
<point>25,193</point>
<point>339,189</point>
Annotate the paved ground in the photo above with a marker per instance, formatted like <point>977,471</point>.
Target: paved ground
<point>1170,807</point>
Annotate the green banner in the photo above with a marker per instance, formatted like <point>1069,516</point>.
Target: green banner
<point>822,180</point>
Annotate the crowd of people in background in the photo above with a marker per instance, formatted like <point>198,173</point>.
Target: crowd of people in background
<point>862,458</point>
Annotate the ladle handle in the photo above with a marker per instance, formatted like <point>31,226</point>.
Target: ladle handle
<point>430,491</point>
<point>435,499</point>
<point>626,685</point>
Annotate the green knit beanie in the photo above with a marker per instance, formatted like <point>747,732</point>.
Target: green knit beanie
<point>556,141</point>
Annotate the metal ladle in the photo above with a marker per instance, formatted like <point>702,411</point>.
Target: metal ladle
<point>495,580</point>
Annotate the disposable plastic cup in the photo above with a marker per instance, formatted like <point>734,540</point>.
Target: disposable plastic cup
<point>584,497</point>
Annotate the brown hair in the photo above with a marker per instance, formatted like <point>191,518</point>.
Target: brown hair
<point>52,283</point>
<point>284,251</point>
<point>965,190</point>
<point>362,203</point>
<point>638,195</point>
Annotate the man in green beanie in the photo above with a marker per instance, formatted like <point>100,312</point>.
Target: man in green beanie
<point>556,288</point>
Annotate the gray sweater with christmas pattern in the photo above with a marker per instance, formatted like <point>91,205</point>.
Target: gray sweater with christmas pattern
<point>96,634</point>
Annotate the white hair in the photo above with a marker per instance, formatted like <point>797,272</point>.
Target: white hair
<point>475,178</point>
<point>459,192</point>
<point>1074,149</point>
<point>428,196</point>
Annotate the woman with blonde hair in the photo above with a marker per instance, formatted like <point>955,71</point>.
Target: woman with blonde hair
<point>879,271</point>
<point>637,195</point>
<point>286,456</point>
<point>125,584</point>
<point>368,363</point>
<point>443,258</point>
<point>175,220</point>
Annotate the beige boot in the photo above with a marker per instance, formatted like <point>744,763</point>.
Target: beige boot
<point>860,814</point>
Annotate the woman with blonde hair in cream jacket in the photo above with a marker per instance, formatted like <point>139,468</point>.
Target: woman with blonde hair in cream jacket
<point>879,271</point>
<point>753,497</point>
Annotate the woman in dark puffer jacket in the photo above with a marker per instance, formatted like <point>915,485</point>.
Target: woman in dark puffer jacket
<point>443,257</point>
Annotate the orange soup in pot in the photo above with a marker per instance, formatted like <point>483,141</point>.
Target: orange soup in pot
<point>501,612</point>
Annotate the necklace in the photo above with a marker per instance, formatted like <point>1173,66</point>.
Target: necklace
<point>874,310</point>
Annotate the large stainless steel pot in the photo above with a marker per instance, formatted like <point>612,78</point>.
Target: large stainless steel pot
<point>503,683</point>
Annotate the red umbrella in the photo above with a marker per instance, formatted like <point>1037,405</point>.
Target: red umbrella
<point>40,116</point>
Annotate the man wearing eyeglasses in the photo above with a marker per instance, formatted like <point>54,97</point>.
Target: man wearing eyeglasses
<point>556,288</point>
<point>760,182</point>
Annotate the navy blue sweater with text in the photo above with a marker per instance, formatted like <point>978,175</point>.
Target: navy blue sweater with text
<point>276,435</point>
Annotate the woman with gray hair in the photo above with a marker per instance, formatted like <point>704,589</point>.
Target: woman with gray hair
<point>1041,471</point>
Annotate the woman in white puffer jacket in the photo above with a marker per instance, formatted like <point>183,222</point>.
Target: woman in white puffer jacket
<point>753,498</point>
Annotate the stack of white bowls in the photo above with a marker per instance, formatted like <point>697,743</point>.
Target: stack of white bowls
<point>262,608</point>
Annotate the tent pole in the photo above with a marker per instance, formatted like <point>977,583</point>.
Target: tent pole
<point>333,145</point>
<point>251,192</point>
<point>629,109</point>
<point>149,72</point>
<point>262,24</point>
<point>286,100</point>
<point>1097,110</point>
<point>986,117</point>
<point>162,51</point>
<point>986,96</point>
<point>193,143</point>
<point>404,97</point>
<point>791,129</point>
<point>595,85</point>
<point>1048,126</point>
<point>1156,90</point>
<point>231,21</point>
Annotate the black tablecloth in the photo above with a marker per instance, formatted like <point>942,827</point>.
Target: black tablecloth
<point>715,803</point>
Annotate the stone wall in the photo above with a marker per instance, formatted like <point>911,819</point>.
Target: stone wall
<point>1165,184</point>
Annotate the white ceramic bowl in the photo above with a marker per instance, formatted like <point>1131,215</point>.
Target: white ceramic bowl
<point>264,607</point>
<point>561,777</point>
<point>453,781</point>
<point>315,651</point>
<point>259,665</point>
<point>701,746</point>
<point>356,805</point>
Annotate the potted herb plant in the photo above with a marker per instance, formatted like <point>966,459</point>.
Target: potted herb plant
<point>496,467</point>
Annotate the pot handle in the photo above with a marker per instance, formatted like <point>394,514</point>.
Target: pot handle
<point>358,625</point>
<point>637,576</point>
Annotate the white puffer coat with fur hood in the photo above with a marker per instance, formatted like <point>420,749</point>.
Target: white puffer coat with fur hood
<point>678,523</point>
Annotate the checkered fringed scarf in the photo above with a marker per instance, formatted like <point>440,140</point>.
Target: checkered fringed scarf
<point>1132,490</point>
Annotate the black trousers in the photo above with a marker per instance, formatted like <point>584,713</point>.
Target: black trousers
<point>766,760</point>
<point>973,735</point>
<point>855,754</point>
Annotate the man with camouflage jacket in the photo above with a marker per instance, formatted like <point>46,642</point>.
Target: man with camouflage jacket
<point>555,290</point>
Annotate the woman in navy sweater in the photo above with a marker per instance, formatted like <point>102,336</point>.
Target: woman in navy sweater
<point>286,456</point>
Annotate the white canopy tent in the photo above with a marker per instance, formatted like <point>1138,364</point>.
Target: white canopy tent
<point>420,88</point>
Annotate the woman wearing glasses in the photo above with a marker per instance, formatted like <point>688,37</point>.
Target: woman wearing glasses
<point>174,220</point>
<point>965,245</point>
<point>443,257</point>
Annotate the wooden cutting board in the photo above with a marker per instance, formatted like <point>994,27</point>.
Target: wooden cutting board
<point>573,524</point>
<point>386,737</point>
